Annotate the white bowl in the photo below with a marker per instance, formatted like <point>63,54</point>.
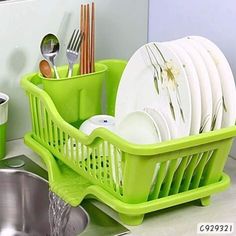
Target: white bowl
<point>98,121</point>
<point>104,149</point>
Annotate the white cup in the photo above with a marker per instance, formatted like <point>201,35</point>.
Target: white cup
<point>3,123</point>
<point>4,108</point>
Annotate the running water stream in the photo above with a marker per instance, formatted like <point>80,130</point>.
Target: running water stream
<point>59,212</point>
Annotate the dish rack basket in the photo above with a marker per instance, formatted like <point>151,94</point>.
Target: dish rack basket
<point>132,179</point>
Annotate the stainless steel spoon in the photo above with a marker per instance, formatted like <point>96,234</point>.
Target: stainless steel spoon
<point>49,49</point>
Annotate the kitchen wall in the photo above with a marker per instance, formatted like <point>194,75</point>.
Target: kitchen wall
<point>121,27</point>
<point>213,19</point>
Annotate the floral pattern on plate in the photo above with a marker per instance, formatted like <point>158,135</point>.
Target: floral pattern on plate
<point>155,78</point>
<point>166,72</point>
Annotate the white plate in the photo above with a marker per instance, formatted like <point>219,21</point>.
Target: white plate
<point>160,122</point>
<point>217,106</point>
<point>154,77</point>
<point>204,82</point>
<point>193,84</point>
<point>140,128</point>
<point>227,80</point>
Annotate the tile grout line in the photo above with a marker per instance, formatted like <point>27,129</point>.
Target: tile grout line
<point>234,158</point>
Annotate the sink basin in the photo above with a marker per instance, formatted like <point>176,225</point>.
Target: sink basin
<point>24,204</point>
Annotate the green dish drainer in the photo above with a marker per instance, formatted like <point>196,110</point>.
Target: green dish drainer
<point>132,179</point>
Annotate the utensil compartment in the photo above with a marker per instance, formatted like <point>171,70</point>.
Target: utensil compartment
<point>132,179</point>
<point>79,97</point>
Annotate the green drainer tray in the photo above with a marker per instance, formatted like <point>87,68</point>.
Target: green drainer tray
<point>131,179</point>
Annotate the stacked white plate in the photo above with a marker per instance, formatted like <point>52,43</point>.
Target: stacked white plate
<point>187,82</point>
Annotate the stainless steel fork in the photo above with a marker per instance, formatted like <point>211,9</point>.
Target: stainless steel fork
<point>72,51</point>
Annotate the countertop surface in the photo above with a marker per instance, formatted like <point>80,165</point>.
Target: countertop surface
<point>180,220</point>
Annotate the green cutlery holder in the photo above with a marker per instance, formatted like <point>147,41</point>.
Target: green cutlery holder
<point>79,97</point>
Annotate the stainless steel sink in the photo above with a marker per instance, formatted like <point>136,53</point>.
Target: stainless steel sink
<point>24,205</point>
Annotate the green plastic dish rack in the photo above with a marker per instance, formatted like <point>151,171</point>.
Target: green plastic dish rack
<point>131,179</point>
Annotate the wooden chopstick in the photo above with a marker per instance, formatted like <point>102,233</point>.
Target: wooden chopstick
<point>85,39</point>
<point>92,66</point>
<point>87,26</point>
<point>82,44</point>
<point>88,40</point>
